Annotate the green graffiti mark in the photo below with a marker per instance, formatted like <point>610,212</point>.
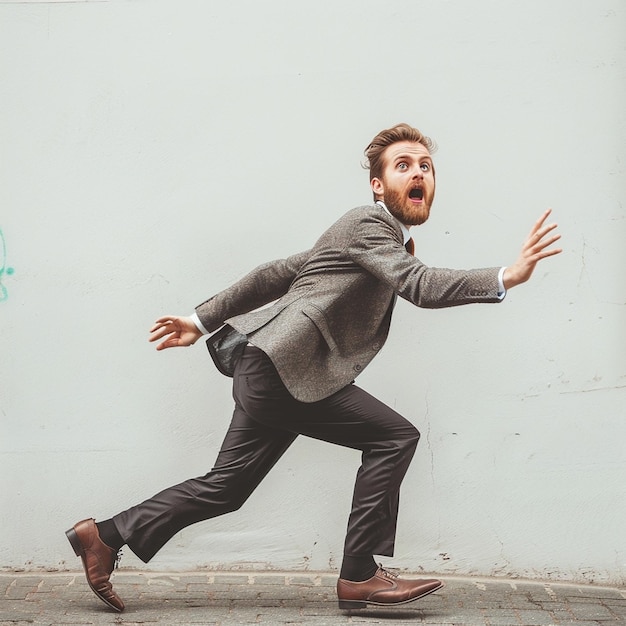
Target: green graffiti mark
<point>9,271</point>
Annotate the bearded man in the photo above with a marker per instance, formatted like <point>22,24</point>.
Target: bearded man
<point>294,363</point>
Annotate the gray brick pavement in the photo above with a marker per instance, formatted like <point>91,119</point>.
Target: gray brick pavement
<point>289,599</point>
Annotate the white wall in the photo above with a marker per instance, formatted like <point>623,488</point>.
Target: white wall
<point>152,152</point>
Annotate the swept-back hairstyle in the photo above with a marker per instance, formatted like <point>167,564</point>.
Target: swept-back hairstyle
<point>400,132</point>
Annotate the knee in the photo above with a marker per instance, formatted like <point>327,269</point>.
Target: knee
<point>233,505</point>
<point>410,439</point>
<point>236,499</point>
<point>412,435</point>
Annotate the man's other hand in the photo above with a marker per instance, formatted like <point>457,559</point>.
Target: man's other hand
<point>535,248</point>
<point>178,332</point>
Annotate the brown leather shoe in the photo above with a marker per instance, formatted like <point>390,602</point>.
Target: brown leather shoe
<point>98,561</point>
<point>383,589</point>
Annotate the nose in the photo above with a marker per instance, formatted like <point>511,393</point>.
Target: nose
<point>418,173</point>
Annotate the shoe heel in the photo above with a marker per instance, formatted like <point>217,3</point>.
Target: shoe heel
<point>74,541</point>
<point>352,604</point>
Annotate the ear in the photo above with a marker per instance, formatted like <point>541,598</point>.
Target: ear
<point>377,187</point>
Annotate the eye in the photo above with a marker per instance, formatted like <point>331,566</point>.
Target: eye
<point>425,167</point>
<point>403,166</point>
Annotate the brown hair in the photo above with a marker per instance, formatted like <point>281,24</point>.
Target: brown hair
<point>400,132</point>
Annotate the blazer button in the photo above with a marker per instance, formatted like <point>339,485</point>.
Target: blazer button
<point>358,368</point>
<point>376,346</point>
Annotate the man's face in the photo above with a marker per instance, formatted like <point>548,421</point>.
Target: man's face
<point>407,185</point>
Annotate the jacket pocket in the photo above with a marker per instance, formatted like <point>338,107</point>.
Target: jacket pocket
<point>318,317</point>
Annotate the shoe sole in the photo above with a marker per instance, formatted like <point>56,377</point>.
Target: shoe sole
<point>348,605</point>
<point>72,537</point>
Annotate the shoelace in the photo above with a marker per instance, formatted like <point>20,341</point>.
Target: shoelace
<point>387,573</point>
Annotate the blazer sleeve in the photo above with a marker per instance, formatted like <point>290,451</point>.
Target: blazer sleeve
<point>377,247</point>
<point>262,285</point>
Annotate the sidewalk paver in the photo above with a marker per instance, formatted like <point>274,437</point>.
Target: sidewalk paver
<point>289,599</point>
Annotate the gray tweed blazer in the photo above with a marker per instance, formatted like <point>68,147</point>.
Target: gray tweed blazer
<point>332,304</point>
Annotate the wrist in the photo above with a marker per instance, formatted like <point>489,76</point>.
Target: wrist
<point>511,278</point>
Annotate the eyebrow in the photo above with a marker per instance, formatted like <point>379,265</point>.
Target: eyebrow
<point>404,156</point>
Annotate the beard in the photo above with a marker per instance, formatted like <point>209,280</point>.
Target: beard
<point>404,210</point>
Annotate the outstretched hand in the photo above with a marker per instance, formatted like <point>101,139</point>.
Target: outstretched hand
<point>535,248</point>
<point>178,331</point>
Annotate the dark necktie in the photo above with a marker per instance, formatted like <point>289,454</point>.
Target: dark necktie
<point>410,246</point>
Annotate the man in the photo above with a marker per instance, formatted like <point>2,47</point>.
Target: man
<point>294,363</point>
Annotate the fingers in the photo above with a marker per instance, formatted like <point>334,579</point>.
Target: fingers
<point>539,223</point>
<point>165,326</point>
<point>537,246</point>
<point>163,321</point>
<point>539,230</point>
<point>176,341</point>
<point>543,243</point>
<point>543,231</point>
<point>158,332</point>
<point>173,342</point>
<point>546,253</point>
<point>542,250</point>
<point>536,238</point>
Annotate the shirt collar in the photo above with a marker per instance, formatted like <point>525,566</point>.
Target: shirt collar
<point>405,231</point>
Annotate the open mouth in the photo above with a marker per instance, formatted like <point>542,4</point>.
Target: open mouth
<point>416,194</point>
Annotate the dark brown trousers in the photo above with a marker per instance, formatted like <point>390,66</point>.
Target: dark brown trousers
<point>265,422</point>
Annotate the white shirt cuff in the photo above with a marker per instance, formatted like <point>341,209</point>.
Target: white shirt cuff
<point>198,323</point>
<point>501,289</point>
